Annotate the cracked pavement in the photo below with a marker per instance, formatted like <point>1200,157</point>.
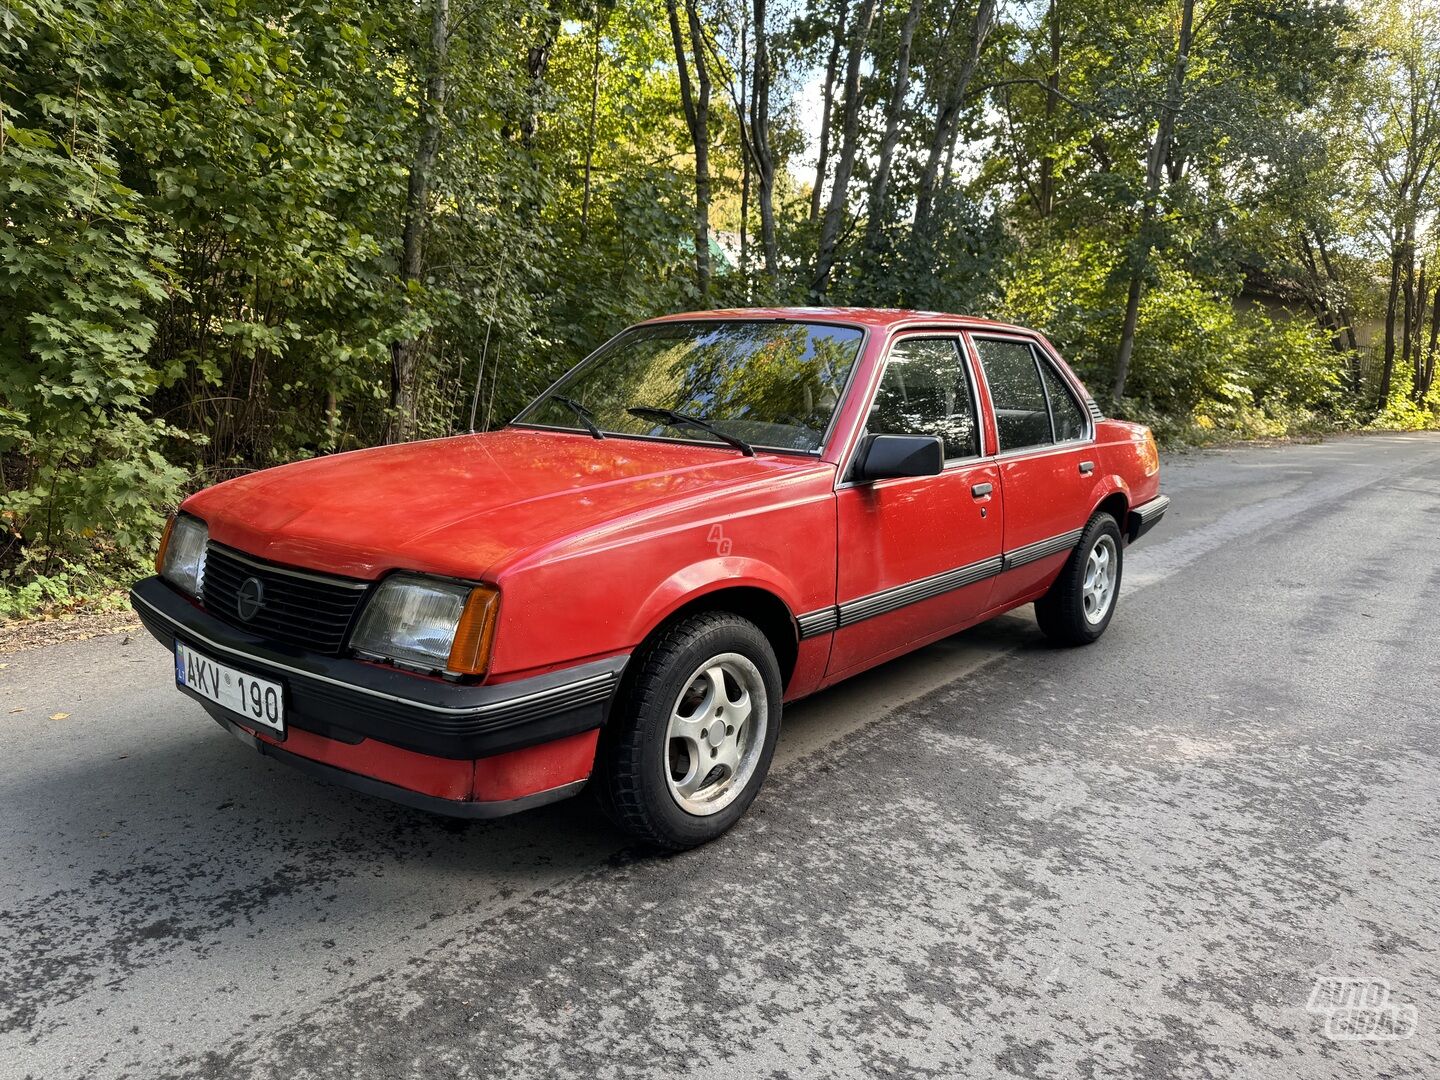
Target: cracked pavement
<point>991,858</point>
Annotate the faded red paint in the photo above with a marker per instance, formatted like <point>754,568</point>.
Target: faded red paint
<point>592,544</point>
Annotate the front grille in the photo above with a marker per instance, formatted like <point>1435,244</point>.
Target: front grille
<point>311,610</point>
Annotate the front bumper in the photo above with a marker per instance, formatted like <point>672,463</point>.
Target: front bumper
<point>351,700</point>
<point>384,789</point>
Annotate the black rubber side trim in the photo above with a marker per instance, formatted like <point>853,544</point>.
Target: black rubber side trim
<point>369,786</point>
<point>815,623</point>
<point>826,620</point>
<point>888,600</point>
<point>1051,545</point>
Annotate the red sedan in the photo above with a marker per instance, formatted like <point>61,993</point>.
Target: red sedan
<point>710,516</point>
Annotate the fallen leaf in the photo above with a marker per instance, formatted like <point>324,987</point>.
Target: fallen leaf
<point>59,715</point>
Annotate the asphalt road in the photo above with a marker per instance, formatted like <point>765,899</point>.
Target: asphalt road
<point>993,858</point>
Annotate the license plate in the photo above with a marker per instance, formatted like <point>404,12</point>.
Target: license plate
<point>258,701</point>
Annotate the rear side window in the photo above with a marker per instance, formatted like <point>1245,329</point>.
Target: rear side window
<point>1064,409</point>
<point>1022,414</point>
<point>925,391</point>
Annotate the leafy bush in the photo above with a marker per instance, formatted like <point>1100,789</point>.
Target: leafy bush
<point>81,270</point>
<point>1201,368</point>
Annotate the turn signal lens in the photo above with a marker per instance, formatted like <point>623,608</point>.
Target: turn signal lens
<point>428,623</point>
<point>164,543</point>
<point>470,654</point>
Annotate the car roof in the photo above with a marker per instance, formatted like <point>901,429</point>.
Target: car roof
<point>855,316</point>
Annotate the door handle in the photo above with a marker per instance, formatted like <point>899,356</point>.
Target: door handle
<point>979,491</point>
<point>1086,468</point>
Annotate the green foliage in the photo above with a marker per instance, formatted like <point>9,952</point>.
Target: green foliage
<point>204,212</point>
<point>81,274</point>
<point>1200,361</point>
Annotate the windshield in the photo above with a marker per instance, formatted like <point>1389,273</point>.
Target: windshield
<point>769,383</point>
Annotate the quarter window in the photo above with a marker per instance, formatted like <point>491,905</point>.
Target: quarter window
<point>1022,415</point>
<point>1064,409</point>
<point>925,391</point>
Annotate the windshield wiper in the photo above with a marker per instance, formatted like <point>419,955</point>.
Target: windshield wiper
<point>679,419</point>
<point>586,416</point>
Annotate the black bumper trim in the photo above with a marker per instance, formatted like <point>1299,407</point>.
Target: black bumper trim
<point>369,786</point>
<point>344,698</point>
<point>1146,516</point>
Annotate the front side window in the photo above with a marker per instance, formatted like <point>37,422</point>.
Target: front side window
<point>1022,414</point>
<point>769,383</point>
<point>925,391</point>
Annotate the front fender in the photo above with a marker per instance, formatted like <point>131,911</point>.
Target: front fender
<point>703,578</point>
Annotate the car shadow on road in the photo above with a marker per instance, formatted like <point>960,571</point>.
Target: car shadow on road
<point>189,842</point>
<point>193,844</point>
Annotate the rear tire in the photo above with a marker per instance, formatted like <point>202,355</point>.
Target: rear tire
<point>693,734</point>
<point>1080,604</point>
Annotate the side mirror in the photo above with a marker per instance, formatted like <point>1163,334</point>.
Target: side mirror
<point>886,456</point>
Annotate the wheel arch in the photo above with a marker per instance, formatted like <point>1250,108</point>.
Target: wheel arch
<point>1117,505</point>
<point>752,599</point>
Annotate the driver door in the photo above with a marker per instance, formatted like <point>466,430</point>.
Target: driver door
<point>917,555</point>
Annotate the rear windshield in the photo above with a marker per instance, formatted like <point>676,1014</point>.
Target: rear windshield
<point>772,384</point>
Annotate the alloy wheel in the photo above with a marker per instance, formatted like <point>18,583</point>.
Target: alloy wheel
<point>715,734</point>
<point>1098,591</point>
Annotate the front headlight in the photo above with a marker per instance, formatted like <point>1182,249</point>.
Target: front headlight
<point>181,558</point>
<point>435,625</point>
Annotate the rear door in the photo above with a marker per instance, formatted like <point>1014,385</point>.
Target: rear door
<point>917,555</point>
<point>1045,455</point>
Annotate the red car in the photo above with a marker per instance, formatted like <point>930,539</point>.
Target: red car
<point>711,515</point>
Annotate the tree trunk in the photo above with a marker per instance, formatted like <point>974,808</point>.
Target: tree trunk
<point>1046,202</point>
<point>695,98</point>
<point>1392,303</point>
<point>1154,170</point>
<point>590,130</point>
<point>1407,296</point>
<point>947,115</point>
<point>822,160</point>
<point>537,59</point>
<point>880,184</point>
<point>1417,351</point>
<point>405,354</point>
<point>760,139</point>
<point>1428,378</point>
<point>747,153</point>
<point>1344,308</point>
<point>850,132</point>
<point>1317,301</point>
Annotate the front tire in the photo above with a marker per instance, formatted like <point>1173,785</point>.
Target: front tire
<point>1080,604</point>
<point>694,732</point>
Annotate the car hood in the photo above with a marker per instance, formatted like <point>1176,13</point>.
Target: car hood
<point>463,506</point>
